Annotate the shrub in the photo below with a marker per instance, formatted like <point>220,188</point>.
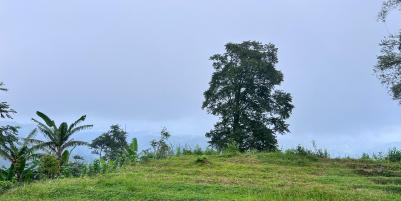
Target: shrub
<point>365,156</point>
<point>231,149</point>
<point>178,151</point>
<point>5,185</point>
<point>96,166</point>
<point>133,150</point>
<point>311,154</point>
<point>320,153</point>
<point>210,151</point>
<point>160,147</point>
<point>379,156</point>
<point>197,150</point>
<point>201,160</point>
<point>187,150</point>
<point>49,166</point>
<point>146,155</point>
<point>106,166</point>
<point>394,155</point>
<point>66,171</point>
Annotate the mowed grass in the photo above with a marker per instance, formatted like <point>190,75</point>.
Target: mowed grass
<point>263,176</point>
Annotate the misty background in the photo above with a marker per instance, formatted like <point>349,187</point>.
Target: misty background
<point>144,65</point>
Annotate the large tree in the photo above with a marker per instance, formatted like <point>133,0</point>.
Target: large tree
<point>112,144</point>
<point>388,67</point>
<point>59,138</point>
<point>243,94</point>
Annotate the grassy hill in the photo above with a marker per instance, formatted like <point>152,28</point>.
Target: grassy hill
<point>264,176</point>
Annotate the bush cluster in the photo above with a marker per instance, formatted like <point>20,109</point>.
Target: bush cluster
<point>316,153</point>
<point>393,155</point>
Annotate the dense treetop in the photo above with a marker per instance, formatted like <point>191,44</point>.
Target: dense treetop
<point>243,94</point>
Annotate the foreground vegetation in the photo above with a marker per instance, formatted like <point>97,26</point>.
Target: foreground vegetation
<point>250,176</point>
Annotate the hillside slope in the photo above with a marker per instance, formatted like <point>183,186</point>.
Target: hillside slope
<point>266,176</point>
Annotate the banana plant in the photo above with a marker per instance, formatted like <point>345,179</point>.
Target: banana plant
<point>20,154</point>
<point>59,138</point>
<point>133,150</point>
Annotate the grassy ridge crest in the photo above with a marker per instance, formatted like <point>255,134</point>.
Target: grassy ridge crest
<point>257,176</point>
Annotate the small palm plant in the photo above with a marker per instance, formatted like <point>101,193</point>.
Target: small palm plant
<point>59,138</point>
<point>19,153</point>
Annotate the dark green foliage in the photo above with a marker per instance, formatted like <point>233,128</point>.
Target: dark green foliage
<point>394,155</point>
<point>113,144</point>
<point>94,168</point>
<point>201,160</point>
<point>76,168</point>
<point>20,154</point>
<point>133,150</point>
<point>59,139</point>
<point>5,185</point>
<point>243,94</point>
<point>146,155</point>
<point>8,134</point>
<point>100,144</point>
<point>65,157</point>
<point>7,174</point>
<point>160,147</point>
<point>49,166</point>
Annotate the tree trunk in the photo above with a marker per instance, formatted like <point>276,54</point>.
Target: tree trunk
<point>237,113</point>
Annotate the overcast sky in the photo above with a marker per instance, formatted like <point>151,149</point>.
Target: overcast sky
<point>144,64</point>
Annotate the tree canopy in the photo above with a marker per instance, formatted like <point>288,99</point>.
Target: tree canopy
<point>112,143</point>
<point>387,7</point>
<point>388,67</point>
<point>5,110</point>
<point>243,94</point>
<point>7,132</point>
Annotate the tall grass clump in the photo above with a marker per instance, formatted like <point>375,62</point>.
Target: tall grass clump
<point>197,150</point>
<point>231,149</point>
<point>316,153</point>
<point>394,155</point>
<point>365,157</point>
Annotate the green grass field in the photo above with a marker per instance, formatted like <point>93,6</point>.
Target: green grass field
<point>264,176</point>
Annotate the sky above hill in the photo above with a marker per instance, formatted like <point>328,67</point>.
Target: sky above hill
<point>144,64</point>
